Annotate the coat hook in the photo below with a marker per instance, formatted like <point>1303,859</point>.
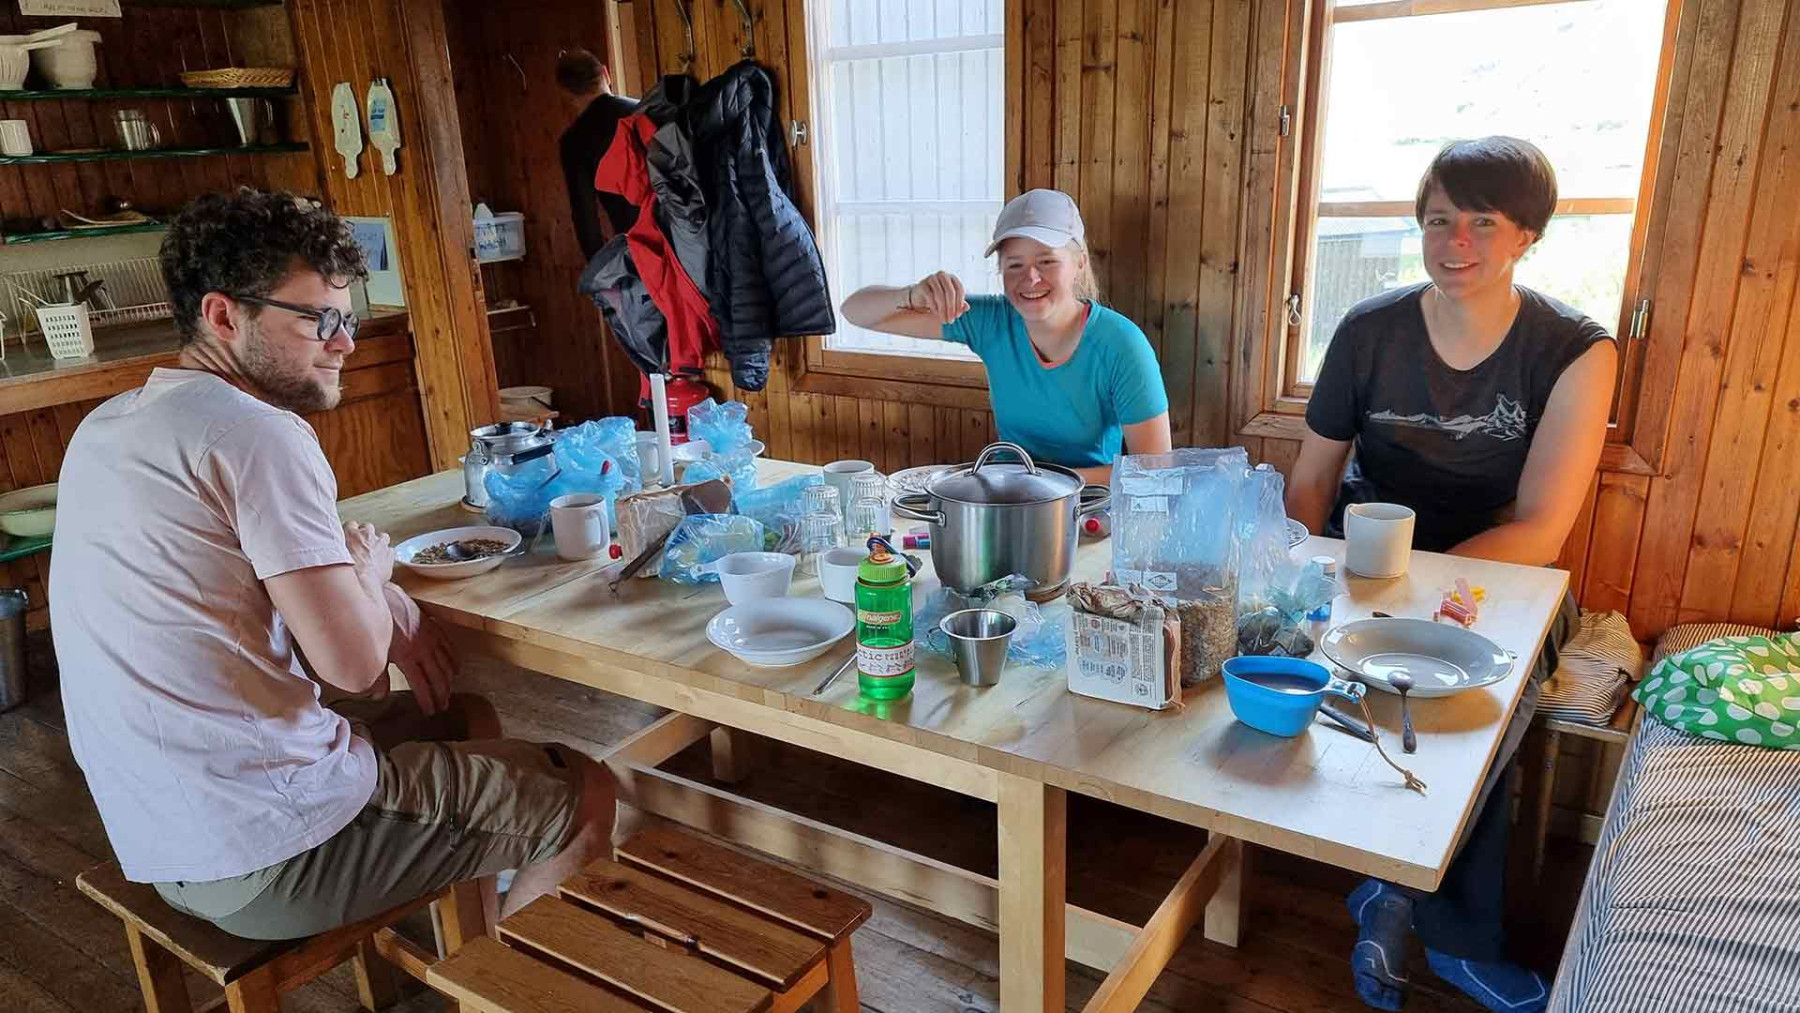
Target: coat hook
<point>748,49</point>
<point>687,20</point>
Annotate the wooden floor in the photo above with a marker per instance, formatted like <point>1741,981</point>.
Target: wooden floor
<point>59,952</point>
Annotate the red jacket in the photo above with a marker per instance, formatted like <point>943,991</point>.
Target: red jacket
<point>692,330</point>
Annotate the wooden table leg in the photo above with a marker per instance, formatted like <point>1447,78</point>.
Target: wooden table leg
<point>159,975</point>
<point>839,994</point>
<point>731,750</point>
<point>254,993</point>
<point>375,987</point>
<point>1033,844</point>
<point>1224,912</point>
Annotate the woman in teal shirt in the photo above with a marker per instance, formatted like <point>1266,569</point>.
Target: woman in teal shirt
<point>1071,381</point>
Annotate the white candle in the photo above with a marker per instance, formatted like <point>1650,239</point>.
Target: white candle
<point>659,406</point>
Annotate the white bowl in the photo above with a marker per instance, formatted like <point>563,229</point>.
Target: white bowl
<point>405,551</point>
<point>753,576</point>
<point>691,451</point>
<point>757,447</point>
<point>29,513</point>
<point>781,632</point>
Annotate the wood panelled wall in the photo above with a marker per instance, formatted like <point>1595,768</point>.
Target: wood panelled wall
<point>1136,107</point>
<point>146,48</point>
<point>427,199</point>
<point>1713,537</point>
<point>504,56</point>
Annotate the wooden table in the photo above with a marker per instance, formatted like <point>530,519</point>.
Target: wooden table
<point>1022,745</point>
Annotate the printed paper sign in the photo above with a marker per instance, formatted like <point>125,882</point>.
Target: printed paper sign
<point>70,8</point>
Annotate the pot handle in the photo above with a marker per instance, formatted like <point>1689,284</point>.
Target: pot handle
<point>994,448</point>
<point>914,506</point>
<point>1351,691</point>
<point>1094,498</point>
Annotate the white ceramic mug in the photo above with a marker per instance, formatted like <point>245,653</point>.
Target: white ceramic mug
<point>649,462</point>
<point>1378,539</point>
<point>753,576</point>
<point>15,137</point>
<point>837,573</point>
<point>578,521</point>
<point>838,475</point>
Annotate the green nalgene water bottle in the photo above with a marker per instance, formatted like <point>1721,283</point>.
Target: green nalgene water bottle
<point>884,625</point>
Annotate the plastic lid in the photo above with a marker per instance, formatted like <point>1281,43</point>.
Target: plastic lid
<point>881,567</point>
<point>1326,563</point>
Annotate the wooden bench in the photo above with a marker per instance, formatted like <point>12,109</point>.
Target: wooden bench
<point>253,972</point>
<point>675,924</point>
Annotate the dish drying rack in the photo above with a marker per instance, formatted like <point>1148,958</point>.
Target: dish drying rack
<point>135,287</point>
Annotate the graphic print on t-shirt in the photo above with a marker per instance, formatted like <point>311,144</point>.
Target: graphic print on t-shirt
<point>1507,421</point>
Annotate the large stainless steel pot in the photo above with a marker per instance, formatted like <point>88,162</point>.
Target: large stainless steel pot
<point>991,519</point>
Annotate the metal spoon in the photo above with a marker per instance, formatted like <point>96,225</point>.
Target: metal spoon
<point>1404,683</point>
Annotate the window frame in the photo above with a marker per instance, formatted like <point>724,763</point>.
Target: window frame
<point>941,381</point>
<point>1272,401</point>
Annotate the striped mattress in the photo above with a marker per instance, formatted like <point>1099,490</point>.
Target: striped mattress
<point>1692,904</point>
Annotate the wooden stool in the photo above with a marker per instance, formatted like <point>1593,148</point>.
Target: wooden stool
<point>677,924</point>
<point>254,972</point>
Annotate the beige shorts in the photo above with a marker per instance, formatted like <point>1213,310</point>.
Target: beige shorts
<point>444,811</point>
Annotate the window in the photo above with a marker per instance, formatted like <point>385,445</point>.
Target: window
<point>907,96</point>
<point>1390,87</point>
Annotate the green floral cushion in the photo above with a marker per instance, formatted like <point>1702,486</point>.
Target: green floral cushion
<point>1735,689</point>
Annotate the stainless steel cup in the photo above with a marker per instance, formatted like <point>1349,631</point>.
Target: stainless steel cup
<point>978,640</point>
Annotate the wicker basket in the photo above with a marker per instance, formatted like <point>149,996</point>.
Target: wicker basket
<point>239,77</point>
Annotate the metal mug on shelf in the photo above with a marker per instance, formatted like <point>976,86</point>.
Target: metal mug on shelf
<point>135,131</point>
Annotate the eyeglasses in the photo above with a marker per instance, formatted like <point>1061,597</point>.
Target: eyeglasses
<point>330,319</point>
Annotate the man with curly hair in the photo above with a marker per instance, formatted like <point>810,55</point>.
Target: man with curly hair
<point>199,554</point>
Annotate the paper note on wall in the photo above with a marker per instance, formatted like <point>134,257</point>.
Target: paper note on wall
<point>70,8</point>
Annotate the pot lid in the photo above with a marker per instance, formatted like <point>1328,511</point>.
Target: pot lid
<point>1003,482</point>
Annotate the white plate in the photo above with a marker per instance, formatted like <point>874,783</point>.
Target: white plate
<point>915,479</point>
<point>1442,658</point>
<point>1297,533</point>
<point>781,632</point>
<point>405,551</point>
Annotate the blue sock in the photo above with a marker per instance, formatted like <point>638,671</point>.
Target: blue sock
<point>1378,963</point>
<point>1500,985</point>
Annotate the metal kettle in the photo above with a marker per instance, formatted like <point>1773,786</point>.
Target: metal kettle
<point>500,446</point>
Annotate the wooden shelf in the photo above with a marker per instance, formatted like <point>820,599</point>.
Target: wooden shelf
<point>204,4</point>
<point>38,95</point>
<point>52,236</point>
<point>18,548</point>
<point>119,156</point>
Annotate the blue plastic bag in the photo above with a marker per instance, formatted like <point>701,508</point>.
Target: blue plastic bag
<point>1039,639</point>
<point>614,438</point>
<point>577,463</point>
<point>777,507</point>
<point>738,466</point>
<point>707,538</point>
<point>722,426</point>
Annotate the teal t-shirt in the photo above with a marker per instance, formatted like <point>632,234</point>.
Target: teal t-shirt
<point>1072,414</point>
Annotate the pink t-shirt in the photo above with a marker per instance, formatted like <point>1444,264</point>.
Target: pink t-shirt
<point>203,741</point>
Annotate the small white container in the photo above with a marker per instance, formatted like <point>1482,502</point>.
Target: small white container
<point>71,63</point>
<point>67,330</point>
<point>501,237</point>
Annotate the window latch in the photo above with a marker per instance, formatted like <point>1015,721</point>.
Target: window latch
<point>1640,320</point>
<point>1284,120</point>
<point>1293,310</point>
<point>797,133</point>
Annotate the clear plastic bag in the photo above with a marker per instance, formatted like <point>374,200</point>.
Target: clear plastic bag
<point>1264,560</point>
<point>1175,535</point>
<point>1040,640</point>
<point>614,438</point>
<point>779,509</point>
<point>722,426</point>
<point>707,538</point>
<point>1275,621</point>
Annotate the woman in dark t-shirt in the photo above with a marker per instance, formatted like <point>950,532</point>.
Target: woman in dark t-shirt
<point>1483,407</point>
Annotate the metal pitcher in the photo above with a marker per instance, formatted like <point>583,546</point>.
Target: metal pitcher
<point>501,445</point>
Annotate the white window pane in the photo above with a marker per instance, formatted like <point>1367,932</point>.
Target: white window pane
<point>913,162</point>
<point>1576,79</point>
<point>1581,261</point>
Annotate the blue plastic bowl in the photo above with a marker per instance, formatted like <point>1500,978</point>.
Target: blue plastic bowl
<point>1281,695</point>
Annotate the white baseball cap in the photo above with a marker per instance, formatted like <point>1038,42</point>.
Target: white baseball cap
<point>1048,216</point>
